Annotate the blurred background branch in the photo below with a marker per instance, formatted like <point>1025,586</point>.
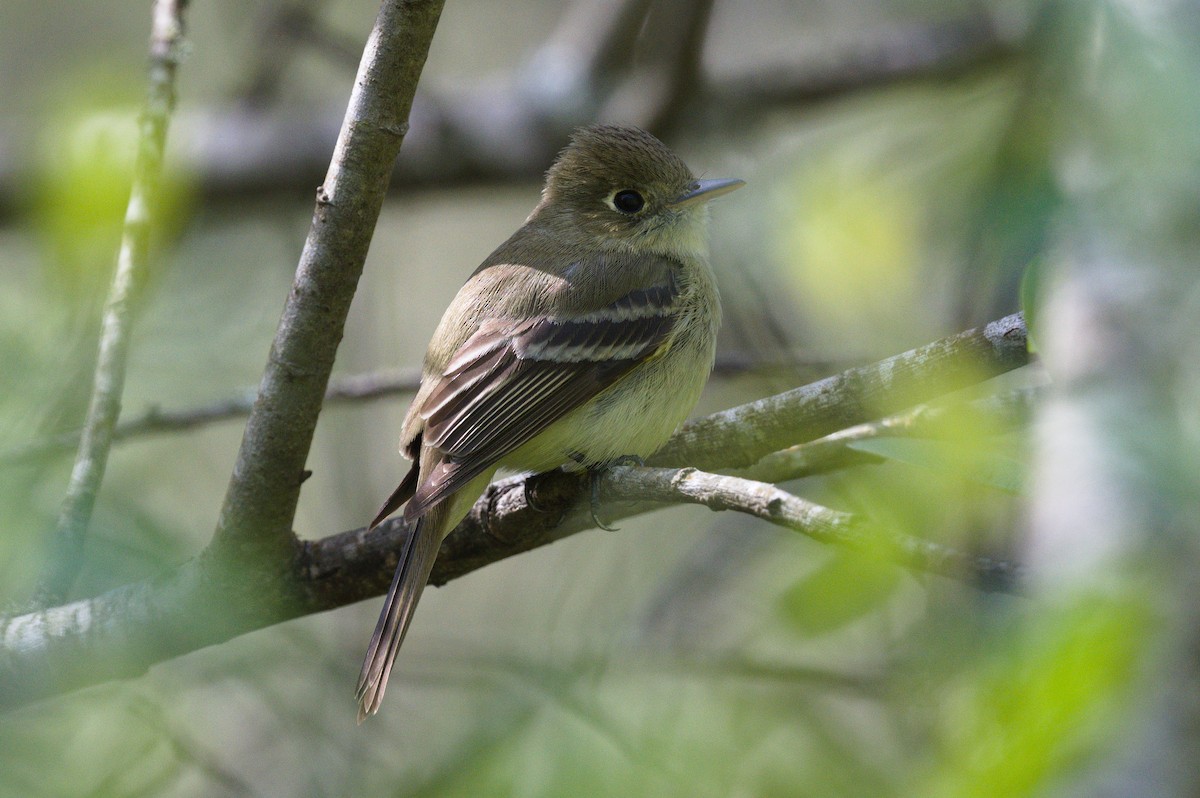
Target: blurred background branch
<point>121,306</point>
<point>366,387</point>
<point>509,130</point>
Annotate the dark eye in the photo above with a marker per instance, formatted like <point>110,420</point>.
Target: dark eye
<point>628,201</point>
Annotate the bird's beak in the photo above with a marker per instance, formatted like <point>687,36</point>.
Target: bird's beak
<point>704,190</point>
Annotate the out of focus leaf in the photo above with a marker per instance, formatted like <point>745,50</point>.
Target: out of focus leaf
<point>82,178</point>
<point>1032,284</point>
<point>111,744</point>
<point>1042,702</point>
<point>842,590</point>
<point>984,467</point>
<point>851,250</point>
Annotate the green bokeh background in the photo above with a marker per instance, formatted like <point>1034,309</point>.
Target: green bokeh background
<point>689,654</point>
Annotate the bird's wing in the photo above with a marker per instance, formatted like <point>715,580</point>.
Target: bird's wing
<point>513,379</point>
<point>403,492</point>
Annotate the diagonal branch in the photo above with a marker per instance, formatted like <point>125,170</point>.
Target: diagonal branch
<point>120,308</point>
<point>742,435</point>
<point>256,517</point>
<point>508,132</point>
<point>999,413</point>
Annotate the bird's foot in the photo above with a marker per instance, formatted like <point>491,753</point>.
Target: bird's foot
<point>596,474</point>
<point>530,494</point>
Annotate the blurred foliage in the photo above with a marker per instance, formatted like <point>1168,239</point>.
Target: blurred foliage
<point>33,360</point>
<point>1033,288</point>
<point>871,223</point>
<point>116,746</point>
<point>1045,699</point>
<point>844,589</point>
<point>49,319</point>
<point>854,248</point>
<point>985,465</point>
<point>84,168</point>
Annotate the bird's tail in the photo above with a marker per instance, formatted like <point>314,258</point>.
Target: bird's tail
<point>412,571</point>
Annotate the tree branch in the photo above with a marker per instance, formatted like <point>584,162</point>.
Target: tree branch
<point>741,436</point>
<point>122,632</point>
<point>120,308</point>
<point>834,452</point>
<point>261,500</point>
<point>868,59</point>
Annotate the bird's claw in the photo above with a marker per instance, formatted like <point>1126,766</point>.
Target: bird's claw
<point>527,487</point>
<point>594,478</point>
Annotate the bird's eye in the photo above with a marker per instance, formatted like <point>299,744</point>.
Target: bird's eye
<point>628,201</point>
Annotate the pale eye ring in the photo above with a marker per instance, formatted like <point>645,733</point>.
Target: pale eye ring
<point>628,201</point>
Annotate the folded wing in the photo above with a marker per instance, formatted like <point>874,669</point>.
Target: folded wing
<point>513,379</point>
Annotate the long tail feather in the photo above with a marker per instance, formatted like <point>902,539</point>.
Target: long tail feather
<point>412,572</point>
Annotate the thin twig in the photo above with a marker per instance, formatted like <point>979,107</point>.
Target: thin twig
<point>356,388</point>
<point>120,308</point>
<point>366,387</point>
<point>777,506</point>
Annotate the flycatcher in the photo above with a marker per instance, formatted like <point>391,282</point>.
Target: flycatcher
<point>585,337</point>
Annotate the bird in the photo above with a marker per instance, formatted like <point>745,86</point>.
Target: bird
<point>585,338</point>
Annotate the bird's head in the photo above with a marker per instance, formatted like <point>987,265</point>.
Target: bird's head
<point>621,187</point>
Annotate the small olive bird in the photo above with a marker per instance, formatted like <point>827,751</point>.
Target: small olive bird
<point>585,337</point>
